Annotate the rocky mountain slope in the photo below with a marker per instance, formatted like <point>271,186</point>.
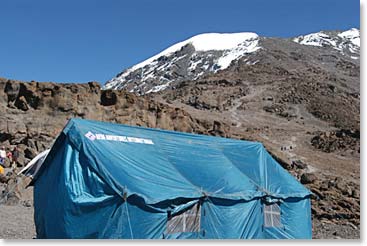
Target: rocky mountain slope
<point>212,52</point>
<point>33,114</point>
<point>300,100</point>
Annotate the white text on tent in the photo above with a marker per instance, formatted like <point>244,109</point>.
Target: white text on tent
<point>99,136</point>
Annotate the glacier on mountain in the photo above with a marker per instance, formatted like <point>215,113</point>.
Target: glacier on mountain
<point>230,46</point>
<point>347,41</point>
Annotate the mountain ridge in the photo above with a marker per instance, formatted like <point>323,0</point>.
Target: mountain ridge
<point>210,53</point>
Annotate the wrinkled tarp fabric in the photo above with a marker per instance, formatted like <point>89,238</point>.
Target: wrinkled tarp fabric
<point>114,189</point>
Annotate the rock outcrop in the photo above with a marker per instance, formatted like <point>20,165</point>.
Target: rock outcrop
<point>33,114</point>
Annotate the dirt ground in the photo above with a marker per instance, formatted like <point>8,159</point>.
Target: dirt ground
<point>16,222</point>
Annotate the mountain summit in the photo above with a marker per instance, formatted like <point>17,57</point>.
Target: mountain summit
<point>347,42</point>
<point>189,59</point>
<point>211,52</point>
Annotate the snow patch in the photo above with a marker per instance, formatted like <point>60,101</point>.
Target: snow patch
<point>205,42</point>
<point>252,62</point>
<point>344,41</point>
<point>158,88</point>
<point>193,65</point>
<point>352,35</point>
<point>315,39</point>
<point>245,47</point>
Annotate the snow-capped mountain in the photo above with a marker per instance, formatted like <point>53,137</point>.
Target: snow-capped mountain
<point>347,42</point>
<point>189,59</point>
<point>211,52</point>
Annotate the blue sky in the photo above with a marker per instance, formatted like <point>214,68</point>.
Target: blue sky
<point>93,40</point>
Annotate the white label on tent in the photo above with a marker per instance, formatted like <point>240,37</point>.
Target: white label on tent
<point>90,136</point>
<point>98,136</point>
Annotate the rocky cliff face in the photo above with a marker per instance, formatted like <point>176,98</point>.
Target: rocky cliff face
<point>33,114</point>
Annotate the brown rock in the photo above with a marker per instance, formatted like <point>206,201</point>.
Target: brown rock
<point>308,178</point>
<point>108,98</point>
<point>3,178</point>
<point>12,198</point>
<point>324,185</point>
<point>347,190</point>
<point>356,193</point>
<point>21,103</point>
<point>29,153</point>
<point>299,164</point>
<point>318,193</point>
<point>63,100</point>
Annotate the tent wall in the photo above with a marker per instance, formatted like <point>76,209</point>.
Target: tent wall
<point>296,219</point>
<point>232,219</point>
<point>75,196</point>
<point>72,201</point>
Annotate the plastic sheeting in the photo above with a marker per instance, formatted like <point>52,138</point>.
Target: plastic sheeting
<point>103,180</point>
<point>34,165</point>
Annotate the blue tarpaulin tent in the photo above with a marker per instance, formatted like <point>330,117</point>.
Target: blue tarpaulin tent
<point>105,180</point>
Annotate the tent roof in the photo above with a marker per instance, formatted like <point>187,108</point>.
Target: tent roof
<point>159,165</point>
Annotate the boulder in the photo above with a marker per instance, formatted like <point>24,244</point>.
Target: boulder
<point>268,98</point>
<point>30,143</point>
<point>29,153</point>
<point>318,194</point>
<point>218,129</point>
<point>3,178</point>
<point>356,194</point>
<point>21,103</point>
<point>308,178</point>
<point>347,190</point>
<point>63,101</point>
<point>324,185</point>
<point>299,164</point>
<point>108,98</point>
<point>340,184</point>
<point>13,198</point>
<point>27,203</point>
<point>12,90</point>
